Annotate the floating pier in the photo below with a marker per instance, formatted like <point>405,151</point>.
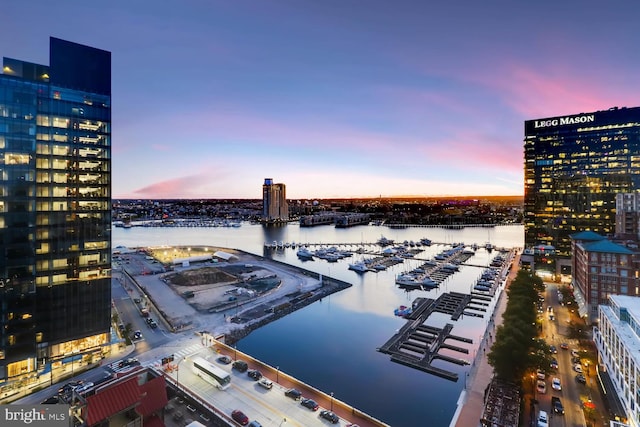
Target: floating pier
<point>417,345</point>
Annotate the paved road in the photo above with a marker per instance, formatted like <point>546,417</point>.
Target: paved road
<point>554,332</point>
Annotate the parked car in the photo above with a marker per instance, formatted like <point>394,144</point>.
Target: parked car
<point>541,386</point>
<point>555,384</point>
<point>581,379</point>
<point>543,419</point>
<point>129,361</point>
<point>84,387</point>
<point>553,349</point>
<point>254,424</point>
<point>225,360</point>
<point>577,368</point>
<point>69,386</point>
<point>574,353</point>
<point>330,416</point>
<point>137,335</point>
<point>310,403</point>
<point>153,324</point>
<point>556,404</point>
<point>239,417</point>
<point>254,374</point>
<point>53,400</point>
<point>541,375</point>
<point>554,364</point>
<point>240,365</point>
<point>293,393</point>
<point>266,383</point>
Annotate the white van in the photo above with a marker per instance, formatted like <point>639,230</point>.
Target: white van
<point>543,419</point>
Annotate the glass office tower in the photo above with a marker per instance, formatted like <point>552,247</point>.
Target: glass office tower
<point>55,217</point>
<point>574,167</point>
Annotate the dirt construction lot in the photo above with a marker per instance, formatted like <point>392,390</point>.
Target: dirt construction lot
<point>215,288</point>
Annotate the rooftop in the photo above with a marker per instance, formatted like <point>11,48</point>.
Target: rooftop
<point>607,246</point>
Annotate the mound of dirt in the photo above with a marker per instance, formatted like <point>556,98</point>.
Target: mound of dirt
<point>201,276</point>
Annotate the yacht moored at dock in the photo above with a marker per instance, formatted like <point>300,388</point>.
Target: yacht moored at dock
<point>359,266</point>
<point>304,253</point>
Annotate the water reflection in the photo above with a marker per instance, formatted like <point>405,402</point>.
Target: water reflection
<point>332,344</point>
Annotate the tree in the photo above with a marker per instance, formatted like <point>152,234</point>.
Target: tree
<point>516,350</point>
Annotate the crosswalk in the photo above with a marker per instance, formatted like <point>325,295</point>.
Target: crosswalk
<point>177,355</point>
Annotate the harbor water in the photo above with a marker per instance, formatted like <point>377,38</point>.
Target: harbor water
<point>332,344</point>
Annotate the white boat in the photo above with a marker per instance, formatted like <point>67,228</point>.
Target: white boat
<point>304,253</point>
<point>332,257</point>
<point>389,252</point>
<point>380,267</point>
<point>450,267</point>
<point>383,241</point>
<point>359,266</point>
<point>429,282</point>
<point>406,279</point>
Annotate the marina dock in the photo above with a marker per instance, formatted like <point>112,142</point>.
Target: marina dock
<point>417,345</point>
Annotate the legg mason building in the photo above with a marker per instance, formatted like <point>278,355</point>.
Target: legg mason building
<point>55,217</point>
<point>574,167</point>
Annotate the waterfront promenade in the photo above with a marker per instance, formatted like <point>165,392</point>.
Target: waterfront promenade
<point>471,402</point>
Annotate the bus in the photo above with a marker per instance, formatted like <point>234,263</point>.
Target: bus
<point>211,373</point>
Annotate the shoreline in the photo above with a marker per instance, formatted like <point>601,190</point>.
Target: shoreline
<point>234,331</point>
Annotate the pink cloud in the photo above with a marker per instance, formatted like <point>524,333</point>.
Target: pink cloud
<point>542,93</point>
<point>168,188</point>
<point>478,151</point>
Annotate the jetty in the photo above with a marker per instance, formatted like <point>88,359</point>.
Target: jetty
<point>416,345</point>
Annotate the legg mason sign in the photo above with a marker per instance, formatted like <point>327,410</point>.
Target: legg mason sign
<point>560,121</point>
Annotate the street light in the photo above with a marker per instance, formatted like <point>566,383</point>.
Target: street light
<point>331,401</point>
<point>533,387</point>
<point>284,421</point>
<point>277,374</point>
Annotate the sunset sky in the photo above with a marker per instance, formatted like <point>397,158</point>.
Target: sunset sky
<point>336,98</point>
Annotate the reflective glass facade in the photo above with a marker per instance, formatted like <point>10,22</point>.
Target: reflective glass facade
<point>574,167</point>
<point>55,216</point>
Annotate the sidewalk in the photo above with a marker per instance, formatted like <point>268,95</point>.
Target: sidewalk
<point>62,375</point>
<point>471,402</point>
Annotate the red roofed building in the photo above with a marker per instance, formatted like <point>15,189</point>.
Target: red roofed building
<point>135,399</point>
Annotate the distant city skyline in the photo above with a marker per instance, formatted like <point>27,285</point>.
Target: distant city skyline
<point>335,99</point>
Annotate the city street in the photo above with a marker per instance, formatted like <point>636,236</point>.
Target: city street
<point>555,331</point>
